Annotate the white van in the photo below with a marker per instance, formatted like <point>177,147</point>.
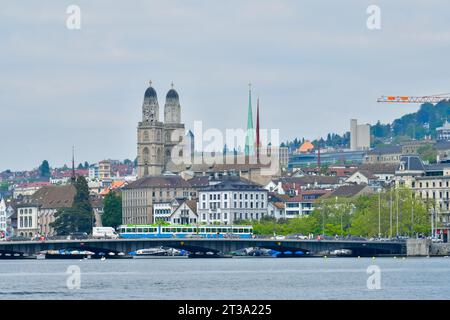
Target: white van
<point>104,232</point>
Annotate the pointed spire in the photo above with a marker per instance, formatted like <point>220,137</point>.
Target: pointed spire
<point>150,83</point>
<point>171,84</point>
<point>249,140</point>
<point>258,141</point>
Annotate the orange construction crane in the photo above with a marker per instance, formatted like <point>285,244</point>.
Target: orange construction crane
<point>411,99</point>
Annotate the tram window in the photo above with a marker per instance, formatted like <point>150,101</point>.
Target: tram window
<point>208,230</point>
<point>184,230</point>
<point>139,230</point>
<point>145,230</point>
<point>202,230</point>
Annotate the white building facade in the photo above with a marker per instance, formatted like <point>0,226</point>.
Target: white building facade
<point>27,220</point>
<point>231,200</point>
<point>3,218</point>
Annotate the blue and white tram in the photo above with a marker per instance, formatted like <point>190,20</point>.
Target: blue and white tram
<point>184,231</point>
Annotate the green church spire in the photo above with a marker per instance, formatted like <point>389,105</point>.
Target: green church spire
<point>249,138</point>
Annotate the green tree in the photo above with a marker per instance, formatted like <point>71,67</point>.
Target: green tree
<point>388,210</point>
<point>428,153</point>
<point>333,216</point>
<point>112,213</point>
<point>79,217</point>
<point>4,186</point>
<point>44,169</point>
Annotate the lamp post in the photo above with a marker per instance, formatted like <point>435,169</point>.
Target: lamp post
<point>342,227</point>
<point>323,222</point>
<point>379,213</point>
<point>432,220</point>
<point>412,216</point>
<point>390,214</point>
<point>396,198</point>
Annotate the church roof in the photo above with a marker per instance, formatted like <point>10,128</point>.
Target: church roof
<point>172,94</point>
<point>150,93</point>
<point>164,181</point>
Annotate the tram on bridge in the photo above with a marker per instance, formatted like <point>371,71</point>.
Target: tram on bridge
<point>184,231</point>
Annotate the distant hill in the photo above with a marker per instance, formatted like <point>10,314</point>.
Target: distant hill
<point>415,125</point>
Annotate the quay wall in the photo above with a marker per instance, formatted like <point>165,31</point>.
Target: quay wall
<point>440,249</point>
<point>418,247</point>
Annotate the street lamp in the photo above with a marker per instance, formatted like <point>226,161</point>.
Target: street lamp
<point>379,213</point>
<point>336,206</point>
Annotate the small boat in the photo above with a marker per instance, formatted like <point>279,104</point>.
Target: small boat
<point>341,253</point>
<point>209,255</point>
<point>158,253</point>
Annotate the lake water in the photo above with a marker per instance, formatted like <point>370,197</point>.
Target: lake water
<point>244,278</point>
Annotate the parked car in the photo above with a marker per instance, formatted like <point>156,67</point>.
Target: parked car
<point>78,236</point>
<point>18,238</point>
<point>437,240</point>
<point>325,237</point>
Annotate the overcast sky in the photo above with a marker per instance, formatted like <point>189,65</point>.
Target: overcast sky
<point>314,64</point>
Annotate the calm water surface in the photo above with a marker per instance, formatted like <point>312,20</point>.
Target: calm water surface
<point>251,278</point>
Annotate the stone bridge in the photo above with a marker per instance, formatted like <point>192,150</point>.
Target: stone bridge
<point>358,248</point>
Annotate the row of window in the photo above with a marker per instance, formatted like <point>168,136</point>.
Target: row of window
<point>25,211</point>
<point>236,216</point>
<point>242,196</point>
<point>25,222</point>
<point>242,205</point>
<point>163,211</point>
<point>433,184</point>
<point>201,229</point>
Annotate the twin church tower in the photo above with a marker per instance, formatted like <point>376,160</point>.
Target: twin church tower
<point>156,139</point>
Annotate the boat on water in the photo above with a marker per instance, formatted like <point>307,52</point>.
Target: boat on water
<point>68,255</point>
<point>209,255</point>
<point>341,253</point>
<point>161,252</point>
